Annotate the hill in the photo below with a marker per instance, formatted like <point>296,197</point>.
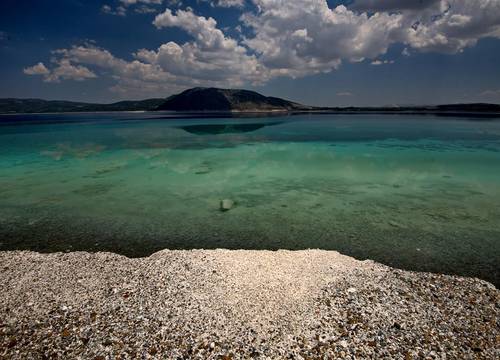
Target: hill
<point>214,99</point>
<point>11,105</point>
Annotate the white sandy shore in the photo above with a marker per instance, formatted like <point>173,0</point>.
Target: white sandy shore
<point>225,304</point>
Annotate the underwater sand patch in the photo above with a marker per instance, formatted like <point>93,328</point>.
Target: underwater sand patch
<point>66,149</point>
<point>55,155</point>
<point>204,168</point>
<point>109,169</point>
<point>93,189</point>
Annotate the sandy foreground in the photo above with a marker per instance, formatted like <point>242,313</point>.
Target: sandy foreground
<point>222,304</point>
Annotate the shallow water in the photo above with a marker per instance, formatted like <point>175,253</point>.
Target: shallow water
<point>416,192</point>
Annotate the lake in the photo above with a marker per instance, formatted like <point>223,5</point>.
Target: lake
<point>411,191</point>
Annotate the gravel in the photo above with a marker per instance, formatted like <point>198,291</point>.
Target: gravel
<point>222,304</point>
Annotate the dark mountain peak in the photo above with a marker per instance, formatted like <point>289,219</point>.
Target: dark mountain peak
<point>215,99</point>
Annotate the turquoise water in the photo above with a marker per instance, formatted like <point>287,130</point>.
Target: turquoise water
<point>416,192</point>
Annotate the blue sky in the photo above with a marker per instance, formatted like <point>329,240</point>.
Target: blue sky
<point>357,52</point>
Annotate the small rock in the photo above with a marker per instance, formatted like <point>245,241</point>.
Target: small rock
<point>226,204</point>
<point>107,342</point>
<point>323,338</point>
<point>12,343</point>
<point>393,223</point>
<point>351,290</point>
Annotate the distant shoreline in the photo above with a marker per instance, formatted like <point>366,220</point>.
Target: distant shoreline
<point>230,101</point>
<point>366,111</point>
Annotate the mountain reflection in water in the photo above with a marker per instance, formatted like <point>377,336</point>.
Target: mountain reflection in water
<point>215,129</point>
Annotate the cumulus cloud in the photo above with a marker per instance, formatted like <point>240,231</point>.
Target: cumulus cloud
<point>133,78</point>
<point>392,5</point>
<point>223,3</point>
<point>133,2</point>
<point>64,70</point>
<point>284,38</point>
<point>447,26</point>
<point>154,72</point>
<point>454,26</point>
<point>492,95</point>
<point>381,62</point>
<point>145,10</point>
<point>296,38</point>
<point>210,56</point>
<point>227,3</point>
<point>365,30</point>
<point>38,69</point>
<point>67,71</point>
<point>210,59</point>
<point>121,10</point>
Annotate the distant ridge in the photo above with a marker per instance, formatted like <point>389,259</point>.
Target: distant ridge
<point>11,105</point>
<point>231,100</point>
<point>470,107</point>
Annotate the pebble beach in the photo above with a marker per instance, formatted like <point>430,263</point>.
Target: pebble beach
<point>225,304</point>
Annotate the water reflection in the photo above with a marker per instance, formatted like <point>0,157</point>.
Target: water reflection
<point>217,129</point>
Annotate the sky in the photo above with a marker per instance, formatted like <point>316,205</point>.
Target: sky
<point>316,52</point>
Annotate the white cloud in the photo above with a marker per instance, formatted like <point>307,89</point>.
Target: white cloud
<point>492,95</point>
<point>38,69</point>
<point>344,93</point>
<point>133,2</point>
<point>106,9</point>
<point>203,29</point>
<point>227,3</point>
<point>67,71</point>
<point>211,56</point>
<point>458,24</point>
<point>64,70</point>
<point>365,30</point>
<point>119,11</point>
<point>133,78</point>
<point>285,38</point>
<point>143,9</point>
<point>392,5</point>
<point>381,62</point>
<point>210,59</point>
<point>3,35</point>
<point>156,73</point>
<point>447,26</point>
<point>224,3</point>
<point>333,35</point>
